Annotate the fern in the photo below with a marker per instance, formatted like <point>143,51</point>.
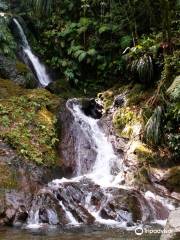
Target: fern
<point>174,89</point>
<point>82,56</point>
<point>41,6</point>
<point>144,67</point>
<point>125,41</point>
<point>7,43</point>
<point>153,127</point>
<point>3,6</point>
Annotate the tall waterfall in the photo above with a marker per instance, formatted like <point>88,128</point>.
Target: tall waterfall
<point>38,67</point>
<point>98,196</point>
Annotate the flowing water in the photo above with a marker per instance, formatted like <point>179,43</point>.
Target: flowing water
<point>77,234</point>
<point>31,59</point>
<point>96,202</point>
<point>97,195</point>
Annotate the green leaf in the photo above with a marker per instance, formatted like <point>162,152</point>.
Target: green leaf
<point>82,56</point>
<point>92,52</point>
<point>104,28</point>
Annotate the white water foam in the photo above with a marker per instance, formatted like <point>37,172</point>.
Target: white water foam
<point>69,215</point>
<point>106,159</point>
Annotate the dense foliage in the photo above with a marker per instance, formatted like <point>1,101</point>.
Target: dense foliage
<point>85,39</point>
<point>7,43</point>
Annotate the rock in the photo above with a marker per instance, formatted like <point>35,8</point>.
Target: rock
<point>91,108</point>
<point>172,228</point>
<point>17,72</point>
<point>68,147</point>
<point>75,201</point>
<point>119,100</point>
<point>20,179</point>
<point>172,179</point>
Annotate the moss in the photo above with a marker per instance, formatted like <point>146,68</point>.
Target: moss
<point>173,179</point>
<point>144,154</point>
<point>142,150</point>
<point>7,177</point>
<point>142,176</point>
<point>107,99</point>
<point>21,67</point>
<point>9,89</point>
<point>28,124</point>
<point>148,156</point>
<point>127,122</point>
<point>63,89</point>
<point>138,95</point>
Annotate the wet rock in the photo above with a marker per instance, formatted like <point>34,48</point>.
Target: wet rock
<point>172,228</point>
<point>91,108</point>
<point>76,146</point>
<point>80,198</point>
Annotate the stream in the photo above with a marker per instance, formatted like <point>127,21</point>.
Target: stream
<point>96,201</point>
<point>77,234</point>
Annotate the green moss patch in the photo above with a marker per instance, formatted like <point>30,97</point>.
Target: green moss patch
<point>28,124</point>
<point>9,89</point>
<point>173,180</point>
<point>127,122</point>
<point>7,177</point>
<point>21,67</point>
<point>106,98</point>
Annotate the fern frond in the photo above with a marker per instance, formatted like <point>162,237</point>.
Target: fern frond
<point>174,89</point>
<point>153,127</point>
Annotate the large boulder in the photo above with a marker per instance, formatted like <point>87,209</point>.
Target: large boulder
<point>75,145</point>
<point>172,229</point>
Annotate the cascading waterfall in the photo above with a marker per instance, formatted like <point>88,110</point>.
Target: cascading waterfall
<point>106,160</point>
<point>38,67</point>
<point>96,196</point>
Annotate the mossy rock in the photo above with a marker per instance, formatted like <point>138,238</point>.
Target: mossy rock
<point>63,89</point>
<point>142,177</point>
<point>142,150</point>
<point>28,124</point>
<point>148,156</point>
<point>8,179</point>
<point>9,89</point>
<point>31,82</point>
<point>106,98</point>
<point>173,179</point>
<point>136,95</point>
<point>21,67</point>
<point>127,122</point>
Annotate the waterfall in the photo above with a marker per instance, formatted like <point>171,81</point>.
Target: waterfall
<point>106,160</point>
<point>98,195</point>
<point>38,67</point>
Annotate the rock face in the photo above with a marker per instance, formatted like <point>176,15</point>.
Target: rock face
<point>172,229</point>
<point>71,132</point>
<point>17,72</point>
<point>19,181</point>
